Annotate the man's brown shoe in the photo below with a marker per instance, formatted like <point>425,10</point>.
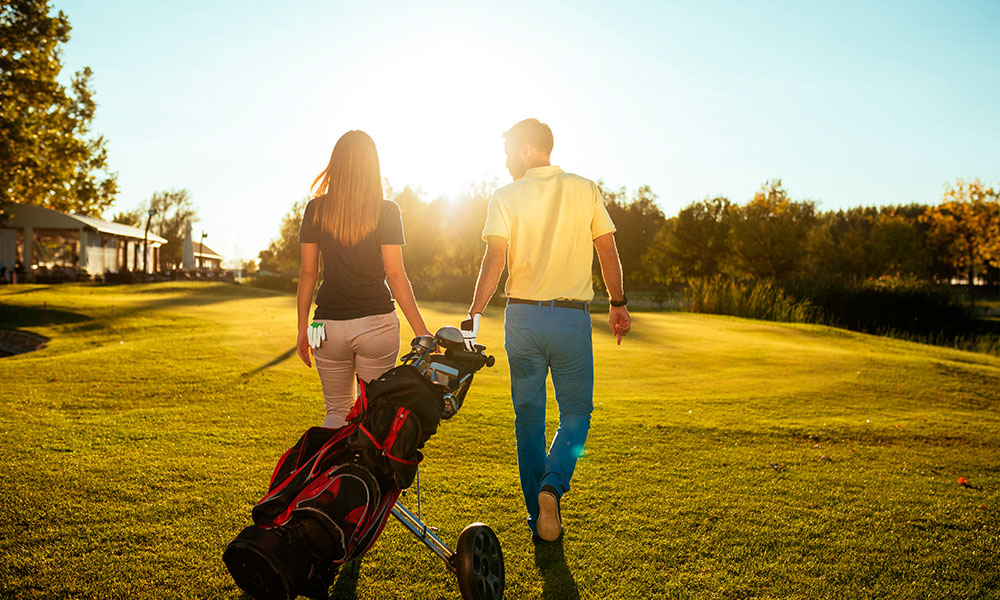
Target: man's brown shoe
<point>549,519</point>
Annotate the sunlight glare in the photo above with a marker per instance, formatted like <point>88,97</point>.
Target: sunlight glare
<point>442,101</point>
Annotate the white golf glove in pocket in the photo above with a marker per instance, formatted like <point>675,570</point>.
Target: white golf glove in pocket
<point>470,328</point>
<point>316,334</point>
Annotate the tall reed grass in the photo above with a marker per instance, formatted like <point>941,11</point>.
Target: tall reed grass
<point>751,299</point>
<point>902,305</point>
<point>902,309</point>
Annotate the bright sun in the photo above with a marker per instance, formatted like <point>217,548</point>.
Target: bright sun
<point>438,106</point>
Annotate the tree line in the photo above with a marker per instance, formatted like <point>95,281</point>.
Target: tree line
<point>770,237</point>
<point>777,238</point>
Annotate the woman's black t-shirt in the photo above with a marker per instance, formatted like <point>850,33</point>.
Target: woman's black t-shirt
<point>353,276</point>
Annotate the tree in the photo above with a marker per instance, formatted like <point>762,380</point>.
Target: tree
<point>839,245</point>
<point>174,209</point>
<point>444,246</point>
<point>637,221</point>
<point>283,254</point>
<point>966,225</point>
<point>693,244</point>
<point>770,233</point>
<point>897,242</point>
<point>419,232</point>
<point>249,267</point>
<point>46,156</point>
<point>129,217</point>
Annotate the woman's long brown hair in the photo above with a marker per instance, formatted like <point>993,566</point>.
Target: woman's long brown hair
<point>348,193</point>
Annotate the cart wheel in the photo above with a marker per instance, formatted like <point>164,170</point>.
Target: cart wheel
<point>479,562</point>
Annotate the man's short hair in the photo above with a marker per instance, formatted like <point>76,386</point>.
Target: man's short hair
<point>533,132</point>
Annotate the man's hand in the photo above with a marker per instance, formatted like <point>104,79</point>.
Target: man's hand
<point>469,329</point>
<point>620,322</point>
<point>611,269</point>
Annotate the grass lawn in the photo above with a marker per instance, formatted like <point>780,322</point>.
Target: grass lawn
<point>727,458</point>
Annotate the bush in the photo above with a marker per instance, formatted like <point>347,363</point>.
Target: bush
<point>751,299</point>
<point>897,307</point>
<point>894,306</point>
<point>280,282</point>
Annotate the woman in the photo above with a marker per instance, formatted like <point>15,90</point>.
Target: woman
<point>359,235</point>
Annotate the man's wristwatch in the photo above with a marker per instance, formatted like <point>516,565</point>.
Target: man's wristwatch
<point>621,302</point>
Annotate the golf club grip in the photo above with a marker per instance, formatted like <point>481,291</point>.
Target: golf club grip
<point>477,358</point>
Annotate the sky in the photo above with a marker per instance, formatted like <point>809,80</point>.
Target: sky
<point>849,103</point>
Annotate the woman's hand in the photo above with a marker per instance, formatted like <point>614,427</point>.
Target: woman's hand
<point>302,347</point>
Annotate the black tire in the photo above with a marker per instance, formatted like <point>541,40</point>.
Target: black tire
<point>479,563</point>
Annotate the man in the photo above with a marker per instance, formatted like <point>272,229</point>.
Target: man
<point>545,222</point>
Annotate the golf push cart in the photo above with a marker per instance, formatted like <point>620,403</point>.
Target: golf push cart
<point>332,492</point>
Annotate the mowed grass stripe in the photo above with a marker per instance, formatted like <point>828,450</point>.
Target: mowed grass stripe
<point>727,458</point>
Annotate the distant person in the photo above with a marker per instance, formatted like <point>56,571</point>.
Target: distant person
<point>546,223</point>
<point>360,236</point>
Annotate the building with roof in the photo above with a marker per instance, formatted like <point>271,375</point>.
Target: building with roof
<point>206,258</point>
<point>50,245</point>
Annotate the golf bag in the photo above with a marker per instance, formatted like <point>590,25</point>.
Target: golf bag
<point>332,492</point>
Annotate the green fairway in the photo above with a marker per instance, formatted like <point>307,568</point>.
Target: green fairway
<point>727,458</point>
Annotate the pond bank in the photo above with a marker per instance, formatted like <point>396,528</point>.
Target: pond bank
<point>19,342</point>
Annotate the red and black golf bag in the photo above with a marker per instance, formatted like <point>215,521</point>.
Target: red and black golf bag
<point>332,492</point>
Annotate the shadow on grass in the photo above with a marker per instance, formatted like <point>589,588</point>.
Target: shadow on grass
<point>174,298</point>
<point>15,317</point>
<point>346,586</point>
<point>558,581</point>
<point>178,299</point>
<point>274,361</point>
<point>31,290</point>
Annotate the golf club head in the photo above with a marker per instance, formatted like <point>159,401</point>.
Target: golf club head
<point>450,338</point>
<point>422,342</point>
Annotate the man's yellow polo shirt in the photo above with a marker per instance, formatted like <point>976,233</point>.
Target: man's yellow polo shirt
<point>550,220</point>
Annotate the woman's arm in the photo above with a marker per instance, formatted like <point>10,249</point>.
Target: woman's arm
<point>402,291</point>
<point>308,273</point>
